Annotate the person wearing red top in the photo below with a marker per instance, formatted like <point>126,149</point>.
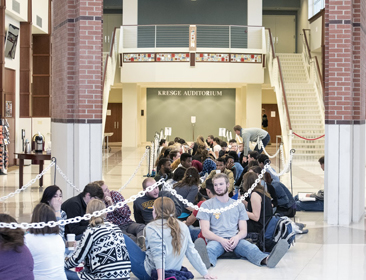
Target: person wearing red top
<point>121,216</point>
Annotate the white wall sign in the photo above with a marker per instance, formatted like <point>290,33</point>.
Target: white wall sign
<point>273,114</point>
<point>109,112</point>
<point>168,131</point>
<point>222,132</point>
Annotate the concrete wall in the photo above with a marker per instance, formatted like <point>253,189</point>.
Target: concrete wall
<point>302,23</point>
<point>115,95</point>
<point>316,35</point>
<point>269,96</point>
<point>40,9</point>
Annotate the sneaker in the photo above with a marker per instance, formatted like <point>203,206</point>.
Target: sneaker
<point>277,253</point>
<point>141,242</point>
<point>200,246</point>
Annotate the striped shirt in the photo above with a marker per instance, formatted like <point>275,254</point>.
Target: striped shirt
<point>103,250</point>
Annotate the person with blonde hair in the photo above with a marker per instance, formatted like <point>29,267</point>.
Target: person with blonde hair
<point>102,249</point>
<point>167,230</point>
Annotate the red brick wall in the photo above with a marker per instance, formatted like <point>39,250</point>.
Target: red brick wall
<point>345,59</point>
<point>76,61</point>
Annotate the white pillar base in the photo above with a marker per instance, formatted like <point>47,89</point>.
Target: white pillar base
<point>78,150</point>
<point>344,178</point>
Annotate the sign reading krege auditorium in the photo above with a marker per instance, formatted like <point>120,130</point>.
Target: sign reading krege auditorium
<point>190,93</point>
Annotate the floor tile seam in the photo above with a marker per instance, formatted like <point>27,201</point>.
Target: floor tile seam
<point>310,259</point>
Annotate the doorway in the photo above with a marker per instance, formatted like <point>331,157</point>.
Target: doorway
<point>113,123</point>
<point>283,29</point>
<point>274,125</point>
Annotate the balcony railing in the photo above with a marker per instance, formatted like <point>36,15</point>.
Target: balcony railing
<point>178,36</point>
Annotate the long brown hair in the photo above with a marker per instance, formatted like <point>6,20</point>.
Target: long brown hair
<point>10,239</point>
<point>168,213</point>
<point>249,179</point>
<point>191,178</point>
<point>44,213</point>
<point>95,205</point>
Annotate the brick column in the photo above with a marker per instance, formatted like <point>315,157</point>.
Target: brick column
<point>77,90</point>
<point>345,90</point>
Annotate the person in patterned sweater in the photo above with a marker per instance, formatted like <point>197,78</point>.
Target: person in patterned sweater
<point>121,216</point>
<point>102,248</point>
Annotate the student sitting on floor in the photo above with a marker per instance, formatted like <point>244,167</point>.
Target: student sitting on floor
<point>102,249</point>
<point>46,245</point>
<point>255,203</point>
<point>76,206</point>
<point>177,245</point>
<point>52,196</point>
<point>317,203</point>
<point>226,231</point>
<point>188,189</point>
<point>13,251</point>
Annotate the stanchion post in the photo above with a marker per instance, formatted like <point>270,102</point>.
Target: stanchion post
<point>54,175</point>
<point>267,161</point>
<point>148,168</point>
<point>292,151</point>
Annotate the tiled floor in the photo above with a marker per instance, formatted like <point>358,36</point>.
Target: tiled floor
<point>326,252</point>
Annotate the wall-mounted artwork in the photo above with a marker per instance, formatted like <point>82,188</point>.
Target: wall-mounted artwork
<point>11,41</point>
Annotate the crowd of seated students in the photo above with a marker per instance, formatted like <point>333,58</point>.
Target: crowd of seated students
<point>113,245</point>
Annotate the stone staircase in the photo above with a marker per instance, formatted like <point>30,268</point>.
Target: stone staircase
<point>304,108</point>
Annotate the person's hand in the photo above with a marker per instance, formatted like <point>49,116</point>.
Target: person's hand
<point>56,206</point>
<point>234,242</point>
<point>208,276</point>
<point>245,159</point>
<point>109,200</point>
<point>226,244</point>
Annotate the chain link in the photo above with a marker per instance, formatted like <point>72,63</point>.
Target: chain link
<point>222,209</point>
<point>260,145</point>
<point>285,170</point>
<point>134,173</point>
<point>86,216</point>
<point>31,182</point>
<point>67,179</point>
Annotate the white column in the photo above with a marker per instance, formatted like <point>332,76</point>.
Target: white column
<point>129,116</point>
<point>254,16</point>
<point>78,153</point>
<point>344,182</point>
<point>255,10</point>
<point>254,106</point>
<point>130,17</point>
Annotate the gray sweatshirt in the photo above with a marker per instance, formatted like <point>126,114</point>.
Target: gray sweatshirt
<point>154,258</point>
<point>251,135</point>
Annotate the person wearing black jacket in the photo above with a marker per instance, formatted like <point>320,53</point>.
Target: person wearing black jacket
<point>76,206</point>
<point>143,206</point>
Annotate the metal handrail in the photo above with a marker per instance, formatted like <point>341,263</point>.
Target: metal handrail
<point>281,78</point>
<point>310,56</point>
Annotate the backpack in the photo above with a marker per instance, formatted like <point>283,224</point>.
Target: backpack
<point>277,228</point>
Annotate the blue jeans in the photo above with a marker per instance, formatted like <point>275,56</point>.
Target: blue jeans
<point>71,275</point>
<point>265,141</point>
<point>194,231</point>
<point>137,257</point>
<point>244,249</point>
<point>317,205</point>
